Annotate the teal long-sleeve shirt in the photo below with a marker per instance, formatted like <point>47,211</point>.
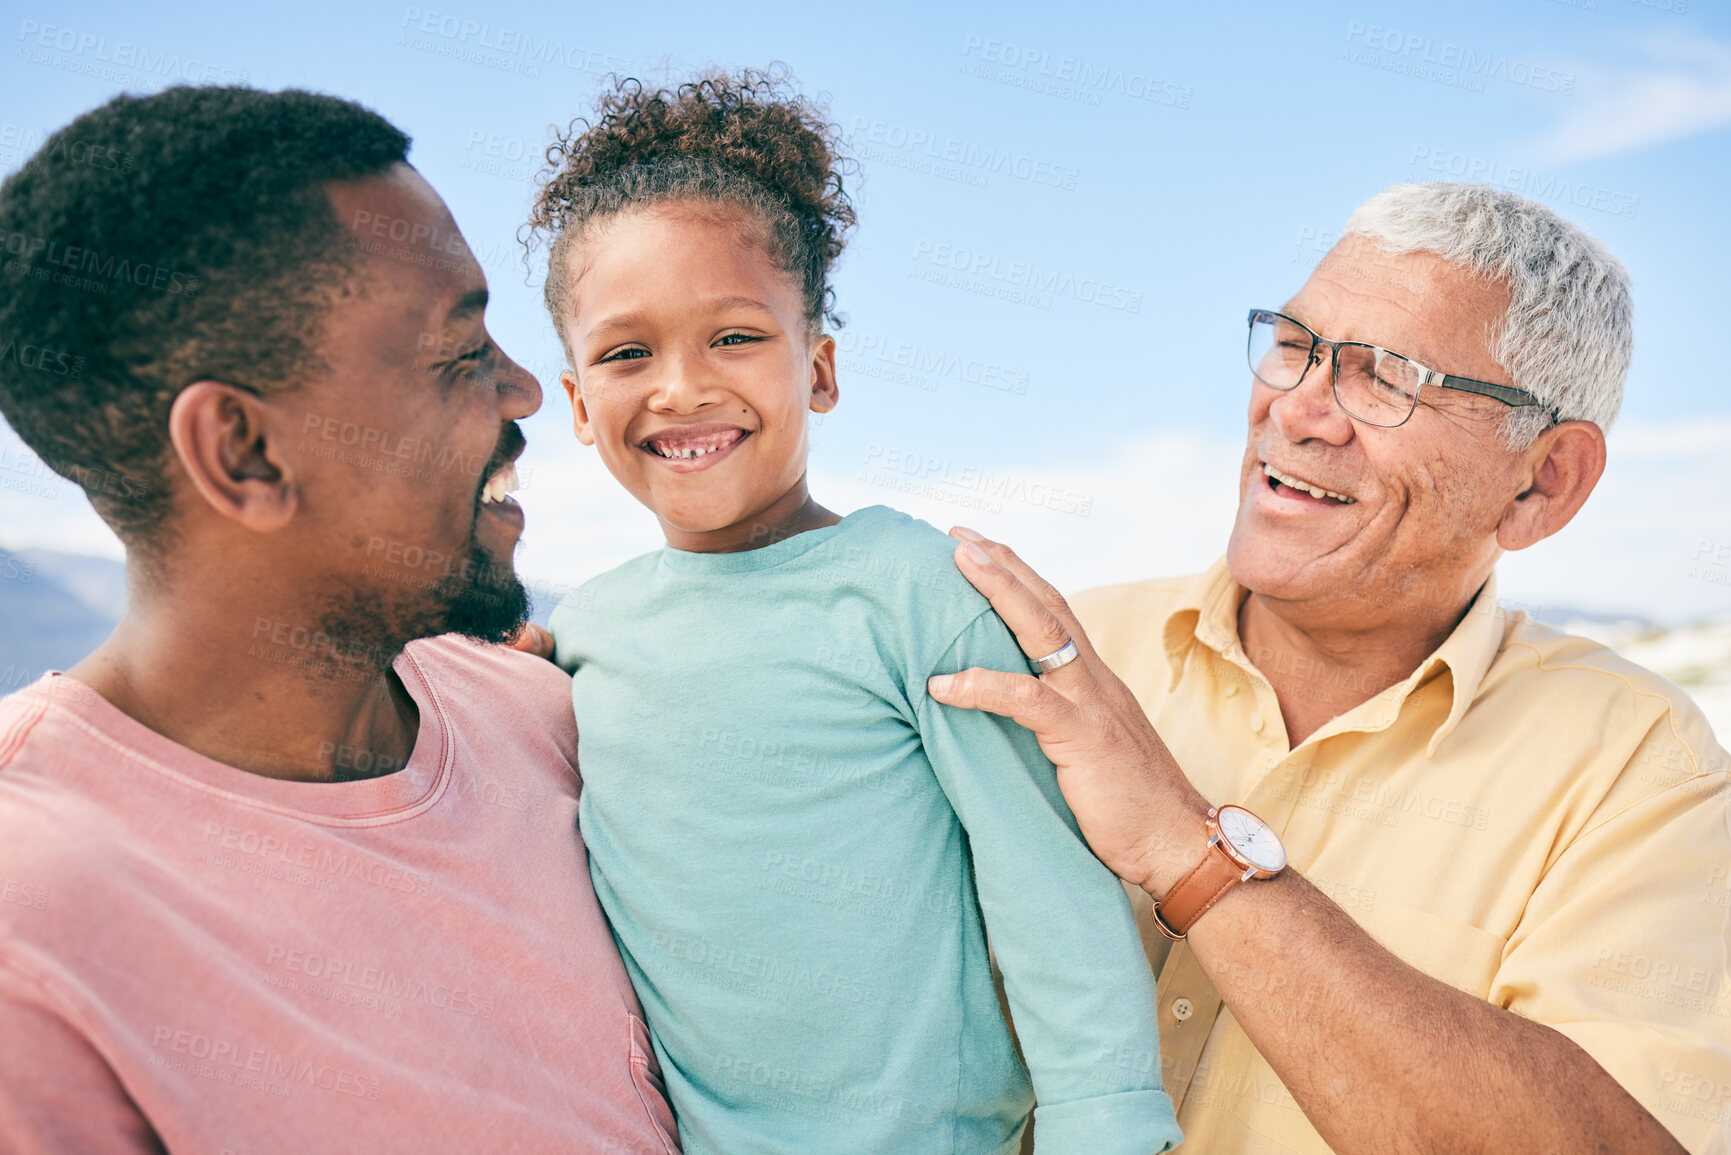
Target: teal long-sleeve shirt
<point>800,854</point>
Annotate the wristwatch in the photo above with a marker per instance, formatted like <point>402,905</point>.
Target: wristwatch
<point>1240,847</point>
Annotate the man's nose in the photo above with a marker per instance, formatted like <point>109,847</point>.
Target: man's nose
<point>1309,411</point>
<point>519,390</point>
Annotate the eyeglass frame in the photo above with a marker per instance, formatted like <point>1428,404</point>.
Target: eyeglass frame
<point>1507,394</point>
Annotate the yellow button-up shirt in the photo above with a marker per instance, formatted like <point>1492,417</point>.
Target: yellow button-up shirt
<point>1527,816</point>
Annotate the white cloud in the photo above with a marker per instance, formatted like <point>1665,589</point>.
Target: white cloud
<point>1682,89</point>
<point>1150,506</point>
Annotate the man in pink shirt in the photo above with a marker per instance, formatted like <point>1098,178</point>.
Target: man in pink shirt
<point>282,869</point>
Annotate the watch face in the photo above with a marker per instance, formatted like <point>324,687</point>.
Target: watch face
<point>1252,838</point>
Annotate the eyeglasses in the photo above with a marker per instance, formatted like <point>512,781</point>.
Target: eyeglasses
<point>1372,384</point>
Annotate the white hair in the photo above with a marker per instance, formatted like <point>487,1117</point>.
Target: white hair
<point>1568,334</point>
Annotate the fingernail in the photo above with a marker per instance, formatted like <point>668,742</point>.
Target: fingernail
<point>967,534</point>
<point>977,553</point>
<point>938,685</point>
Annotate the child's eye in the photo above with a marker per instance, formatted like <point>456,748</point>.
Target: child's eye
<point>737,339</point>
<point>627,354</point>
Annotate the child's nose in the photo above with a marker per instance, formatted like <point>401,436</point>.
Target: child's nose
<point>683,387</point>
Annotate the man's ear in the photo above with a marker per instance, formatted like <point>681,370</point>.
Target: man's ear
<point>824,390</point>
<point>219,433</point>
<point>1565,464</point>
<point>579,408</point>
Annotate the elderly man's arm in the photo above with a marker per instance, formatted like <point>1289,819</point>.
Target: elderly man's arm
<point>1380,1056</point>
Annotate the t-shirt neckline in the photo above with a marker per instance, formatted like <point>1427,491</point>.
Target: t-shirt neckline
<point>376,801</point>
<point>765,557</point>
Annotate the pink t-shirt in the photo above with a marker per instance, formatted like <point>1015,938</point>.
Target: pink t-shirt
<point>197,958</point>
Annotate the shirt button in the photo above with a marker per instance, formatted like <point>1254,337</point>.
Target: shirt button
<point>1256,723</point>
<point>1182,1009</point>
<point>1231,690</point>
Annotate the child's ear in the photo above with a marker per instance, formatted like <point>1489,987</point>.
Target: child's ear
<point>824,391</point>
<point>579,408</point>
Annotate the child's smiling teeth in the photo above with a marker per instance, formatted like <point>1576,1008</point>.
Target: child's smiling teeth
<point>686,448</point>
<point>688,451</point>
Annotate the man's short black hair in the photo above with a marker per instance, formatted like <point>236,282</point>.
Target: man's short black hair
<point>161,240</point>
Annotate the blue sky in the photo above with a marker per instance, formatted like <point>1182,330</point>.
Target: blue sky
<point>1164,167</point>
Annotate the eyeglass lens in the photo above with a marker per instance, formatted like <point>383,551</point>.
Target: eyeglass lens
<point>1371,384</point>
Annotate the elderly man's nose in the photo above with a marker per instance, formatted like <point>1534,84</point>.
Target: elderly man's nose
<point>1308,410</point>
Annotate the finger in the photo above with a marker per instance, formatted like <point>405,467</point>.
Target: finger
<point>1021,697</point>
<point>532,639</point>
<point>1038,630</point>
<point>1043,590</point>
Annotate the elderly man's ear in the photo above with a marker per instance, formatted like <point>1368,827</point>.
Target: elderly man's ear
<point>1562,467</point>
<point>219,436</point>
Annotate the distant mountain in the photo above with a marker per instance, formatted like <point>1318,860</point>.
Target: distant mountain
<point>98,582</point>
<point>54,609</point>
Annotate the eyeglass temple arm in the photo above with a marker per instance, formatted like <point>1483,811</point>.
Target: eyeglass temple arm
<point>1507,394</point>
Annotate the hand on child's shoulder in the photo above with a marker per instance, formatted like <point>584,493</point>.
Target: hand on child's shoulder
<point>533,639</point>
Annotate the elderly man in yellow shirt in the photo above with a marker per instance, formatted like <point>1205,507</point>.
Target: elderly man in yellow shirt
<point>1466,888</point>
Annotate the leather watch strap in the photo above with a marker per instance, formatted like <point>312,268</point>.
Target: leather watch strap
<point>1192,896</point>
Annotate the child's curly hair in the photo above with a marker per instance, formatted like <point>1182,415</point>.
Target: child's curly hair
<point>749,140</point>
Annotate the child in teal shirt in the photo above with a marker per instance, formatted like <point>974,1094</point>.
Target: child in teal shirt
<point>799,852</point>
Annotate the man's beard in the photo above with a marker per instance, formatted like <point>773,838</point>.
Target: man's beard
<point>367,625</point>
<point>481,599</point>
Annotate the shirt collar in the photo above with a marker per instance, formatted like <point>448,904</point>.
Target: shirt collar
<point>1207,614</point>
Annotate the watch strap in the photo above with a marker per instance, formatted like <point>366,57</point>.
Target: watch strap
<point>1192,896</point>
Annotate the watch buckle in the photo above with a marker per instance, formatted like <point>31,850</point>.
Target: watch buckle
<point>1160,925</point>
